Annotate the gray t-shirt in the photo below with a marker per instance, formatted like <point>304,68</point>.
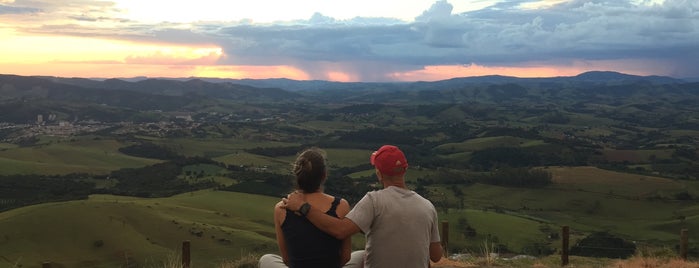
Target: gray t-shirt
<point>399,226</point>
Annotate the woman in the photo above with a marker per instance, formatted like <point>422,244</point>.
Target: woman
<point>302,245</point>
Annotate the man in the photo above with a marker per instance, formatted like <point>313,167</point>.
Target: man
<point>400,226</point>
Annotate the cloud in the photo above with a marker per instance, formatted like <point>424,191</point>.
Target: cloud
<point>505,33</point>
<point>177,57</point>
<point>16,10</point>
<point>502,34</point>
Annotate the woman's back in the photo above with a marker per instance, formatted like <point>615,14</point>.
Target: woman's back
<point>307,245</point>
<point>301,244</point>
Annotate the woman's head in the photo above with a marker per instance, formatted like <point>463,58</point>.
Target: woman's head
<point>309,169</point>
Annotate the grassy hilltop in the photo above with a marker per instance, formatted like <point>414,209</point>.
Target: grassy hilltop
<point>108,231</point>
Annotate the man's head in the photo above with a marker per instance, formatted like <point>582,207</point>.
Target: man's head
<point>389,160</point>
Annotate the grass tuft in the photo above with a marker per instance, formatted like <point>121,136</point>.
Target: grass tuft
<point>247,261</point>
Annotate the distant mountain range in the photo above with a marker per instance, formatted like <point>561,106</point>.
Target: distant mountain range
<point>593,77</point>
<point>22,97</point>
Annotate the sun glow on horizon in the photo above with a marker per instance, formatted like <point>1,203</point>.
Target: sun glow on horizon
<point>441,72</point>
<point>56,55</point>
<point>39,49</point>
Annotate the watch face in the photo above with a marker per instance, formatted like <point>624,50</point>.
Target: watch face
<point>304,209</point>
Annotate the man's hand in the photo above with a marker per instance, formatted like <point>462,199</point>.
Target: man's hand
<point>293,201</point>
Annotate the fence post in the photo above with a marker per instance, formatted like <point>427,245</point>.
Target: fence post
<point>684,240</point>
<point>445,238</point>
<point>186,260</point>
<point>565,232</point>
<point>46,264</point>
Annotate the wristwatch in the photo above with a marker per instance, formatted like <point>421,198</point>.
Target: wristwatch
<point>304,209</point>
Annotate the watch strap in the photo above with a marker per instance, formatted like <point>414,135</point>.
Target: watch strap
<point>303,210</point>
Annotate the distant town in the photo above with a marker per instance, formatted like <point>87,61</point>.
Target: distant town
<point>49,125</point>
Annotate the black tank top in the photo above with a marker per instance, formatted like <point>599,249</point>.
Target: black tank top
<point>307,246</point>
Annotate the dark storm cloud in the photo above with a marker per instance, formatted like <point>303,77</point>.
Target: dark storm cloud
<point>501,34</point>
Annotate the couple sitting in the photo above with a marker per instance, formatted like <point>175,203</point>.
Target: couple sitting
<point>314,229</point>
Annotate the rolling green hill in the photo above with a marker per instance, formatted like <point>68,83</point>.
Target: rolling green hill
<point>639,208</point>
<point>106,231</point>
<point>506,161</point>
<point>68,156</point>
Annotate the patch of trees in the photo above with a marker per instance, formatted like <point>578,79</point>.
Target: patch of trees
<point>276,151</point>
<point>685,152</point>
<point>28,141</point>
<point>603,245</point>
<point>555,118</point>
<point>263,183</point>
<point>679,170</point>
<point>360,109</point>
<point>21,190</point>
<point>444,176</point>
<point>380,136</point>
<point>507,91</point>
<point>149,150</point>
<point>517,177</point>
<point>159,180</point>
<point>350,189</point>
<point>22,110</point>
<point>490,158</point>
<point>514,132</point>
<point>429,111</point>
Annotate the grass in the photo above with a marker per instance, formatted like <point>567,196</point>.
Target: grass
<point>487,142</point>
<point>140,230</point>
<point>216,148</point>
<point>253,160</point>
<point>497,228</point>
<point>644,257</point>
<point>146,230</point>
<point>586,199</point>
<point>68,156</point>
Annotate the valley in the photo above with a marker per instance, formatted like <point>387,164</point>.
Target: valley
<point>506,161</point>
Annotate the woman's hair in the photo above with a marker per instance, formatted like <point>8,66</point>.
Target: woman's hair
<point>309,169</point>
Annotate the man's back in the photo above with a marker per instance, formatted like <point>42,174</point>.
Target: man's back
<point>399,225</point>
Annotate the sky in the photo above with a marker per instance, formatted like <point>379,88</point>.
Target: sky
<point>343,40</point>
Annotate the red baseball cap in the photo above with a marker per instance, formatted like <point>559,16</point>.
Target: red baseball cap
<point>389,160</point>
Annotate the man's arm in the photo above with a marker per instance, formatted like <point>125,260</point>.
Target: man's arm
<point>436,251</point>
<point>338,228</point>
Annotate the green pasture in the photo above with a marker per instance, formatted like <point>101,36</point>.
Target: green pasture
<point>683,132</point>
<point>337,157</point>
<point>595,200</point>
<point>331,126</point>
<point>215,147</point>
<point>636,156</point>
<point>487,142</point>
<point>347,157</point>
<point>269,164</point>
<point>590,120</point>
<point>516,233</point>
<point>5,146</point>
<point>410,176</point>
<point>104,230</point>
<point>204,169</point>
<point>62,157</point>
<point>627,185</point>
